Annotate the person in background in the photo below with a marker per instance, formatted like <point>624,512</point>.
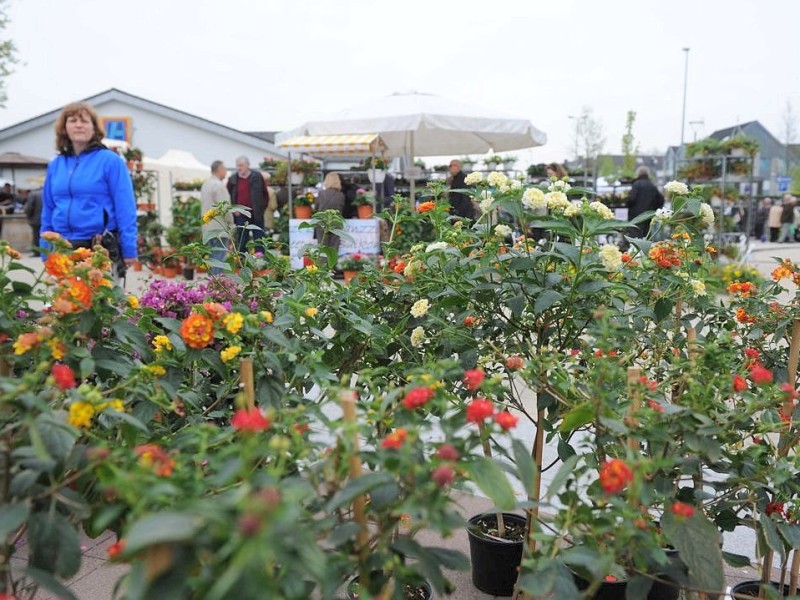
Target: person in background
<point>212,192</point>
<point>349,189</point>
<point>774,220</point>
<point>555,170</point>
<point>787,220</point>
<point>247,189</point>
<point>88,195</point>
<point>272,203</point>
<point>330,197</point>
<point>460,202</point>
<point>644,196</point>
<point>6,204</point>
<point>33,211</point>
<point>760,219</point>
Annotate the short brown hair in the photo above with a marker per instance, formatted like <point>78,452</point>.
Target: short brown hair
<point>63,143</point>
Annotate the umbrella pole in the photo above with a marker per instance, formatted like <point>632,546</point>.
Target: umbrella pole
<point>289,183</point>
<point>413,166</point>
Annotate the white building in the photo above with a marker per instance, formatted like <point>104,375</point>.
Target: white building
<point>152,127</point>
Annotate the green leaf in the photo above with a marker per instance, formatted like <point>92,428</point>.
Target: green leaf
<point>771,534</point>
<point>577,417</point>
<point>545,300</point>
<point>663,308</point>
<point>54,544</point>
<point>58,438</point>
<point>11,517</point>
<point>358,487</point>
<point>161,528</point>
<point>790,533</point>
<point>130,334</point>
<point>561,475</point>
<point>50,583</point>
<point>526,468</point>
<point>489,477</point>
<point>697,540</point>
<point>517,305</point>
<point>736,560</point>
<point>343,534</point>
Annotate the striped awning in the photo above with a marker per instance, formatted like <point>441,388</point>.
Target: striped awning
<point>360,144</point>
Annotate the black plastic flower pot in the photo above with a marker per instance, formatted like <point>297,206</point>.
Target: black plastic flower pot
<point>495,562</point>
<point>420,591</point>
<point>749,589</point>
<point>615,590</point>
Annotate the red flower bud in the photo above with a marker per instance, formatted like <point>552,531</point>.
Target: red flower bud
<point>447,452</point>
<point>443,475</point>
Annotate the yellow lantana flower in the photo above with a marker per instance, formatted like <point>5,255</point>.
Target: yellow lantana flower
<point>311,311</point>
<point>133,302</point>
<point>80,414</point>
<point>209,215</point>
<point>267,316</point>
<point>233,322</point>
<point>156,370</point>
<point>161,342</point>
<point>230,353</point>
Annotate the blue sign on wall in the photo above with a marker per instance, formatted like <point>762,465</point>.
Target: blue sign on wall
<point>117,128</point>
<point>783,183</point>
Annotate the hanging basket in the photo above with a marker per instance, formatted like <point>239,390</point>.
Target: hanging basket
<point>296,178</point>
<point>376,175</point>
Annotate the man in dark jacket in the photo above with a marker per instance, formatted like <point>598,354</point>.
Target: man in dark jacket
<point>644,196</point>
<point>462,205</point>
<point>247,189</point>
<point>33,211</point>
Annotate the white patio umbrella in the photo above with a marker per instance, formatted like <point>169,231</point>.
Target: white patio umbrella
<point>418,124</point>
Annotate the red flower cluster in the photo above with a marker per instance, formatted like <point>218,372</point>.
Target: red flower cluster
<point>683,510</point>
<point>760,375</point>
<point>506,420</point>
<point>665,255</point>
<point>789,390</point>
<point>447,452</point>
<point>197,331</point>
<point>775,508</point>
<point>739,383</point>
<point>250,419</point>
<point>655,406</point>
<point>614,476</point>
<point>743,317</point>
<point>514,362</point>
<point>417,397</point>
<point>649,384</point>
<point>745,290</point>
<point>154,457</point>
<point>473,378</point>
<point>443,475</point>
<point>395,440</point>
<point>479,410</point>
<point>114,550</point>
<point>63,375</point>
<point>426,207</point>
<point>470,321</point>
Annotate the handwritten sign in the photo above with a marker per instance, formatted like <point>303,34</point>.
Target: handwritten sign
<point>363,237</point>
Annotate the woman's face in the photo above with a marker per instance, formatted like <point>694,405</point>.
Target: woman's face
<point>550,172</point>
<point>80,129</point>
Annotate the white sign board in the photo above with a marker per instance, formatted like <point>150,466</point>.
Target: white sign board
<point>365,234</point>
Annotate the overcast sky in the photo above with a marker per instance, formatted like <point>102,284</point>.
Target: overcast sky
<point>273,64</point>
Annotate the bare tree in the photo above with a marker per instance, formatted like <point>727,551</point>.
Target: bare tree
<point>629,150</point>
<point>8,53</point>
<point>589,139</point>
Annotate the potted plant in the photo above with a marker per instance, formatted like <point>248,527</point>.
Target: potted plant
<point>301,170</point>
<point>508,162</point>
<point>352,264</point>
<point>739,145</point>
<point>134,158</point>
<point>494,161</point>
<point>365,203</point>
<point>303,205</point>
<point>468,163</point>
<point>270,163</point>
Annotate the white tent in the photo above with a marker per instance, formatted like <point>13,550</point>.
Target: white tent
<point>418,124</point>
<point>174,165</point>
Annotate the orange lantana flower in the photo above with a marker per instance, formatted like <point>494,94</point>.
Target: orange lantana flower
<point>197,331</point>
<point>58,265</point>
<point>426,207</point>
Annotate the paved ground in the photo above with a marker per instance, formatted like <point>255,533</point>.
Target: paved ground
<point>96,579</point>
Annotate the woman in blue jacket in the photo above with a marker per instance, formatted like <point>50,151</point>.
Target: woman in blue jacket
<point>87,191</point>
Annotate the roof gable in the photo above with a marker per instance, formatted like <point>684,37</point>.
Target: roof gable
<point>114,94</point>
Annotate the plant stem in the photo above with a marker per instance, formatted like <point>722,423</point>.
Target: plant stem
<point>487,452</point>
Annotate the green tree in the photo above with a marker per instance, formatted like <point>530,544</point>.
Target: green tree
<point>8,53</point>
<point>607,168</point>
<point>628,149</point>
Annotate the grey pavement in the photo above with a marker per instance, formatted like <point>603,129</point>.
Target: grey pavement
<point>97,578</point>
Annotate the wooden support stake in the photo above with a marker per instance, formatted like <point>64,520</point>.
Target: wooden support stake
<point>487,452</point>
<point>633,393</point>
<point>795,571</point>
<point>347,398</point>
<point>794,354</point>
<point>246,380</point>
<point>691,344</point>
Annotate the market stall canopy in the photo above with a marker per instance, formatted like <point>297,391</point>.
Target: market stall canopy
<point>15,159</point>
<point>178,159</point>
<point>363,144</point>
<point>418,124</point>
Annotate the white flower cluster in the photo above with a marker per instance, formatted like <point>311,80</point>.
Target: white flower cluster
<point>486,200</point>
<point>412,268</point>
<point>516,184</point>
<point>420,308</point>
<point>698,287</point>
<point>432,247</point>
<point>559,185</point>
<point>533,198</point>
<point>418,337</point>
<point>497,179</point>
<point>663,214</point>
<point>676,188</point>
<point>611,257</point>
<point>706,214</point>
<point>602,210</point>
<point>502,230</point>
<point>573,210</point>
<point>473,178</point>
<point>557,201</point>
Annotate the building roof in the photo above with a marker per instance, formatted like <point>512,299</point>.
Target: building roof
<point>648,160</point>
<point>154,107</point>
<point>769,145</point>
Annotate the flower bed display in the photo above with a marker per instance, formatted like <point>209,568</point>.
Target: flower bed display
<point>269,432</point>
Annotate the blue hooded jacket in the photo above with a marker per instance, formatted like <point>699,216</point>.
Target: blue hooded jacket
<point>86,194</point>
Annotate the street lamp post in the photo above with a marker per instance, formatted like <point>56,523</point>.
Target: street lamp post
<point>685,81</point>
